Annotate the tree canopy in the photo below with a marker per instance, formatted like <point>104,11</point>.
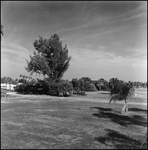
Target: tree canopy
<point>120,88</point>
<point>50,58</point>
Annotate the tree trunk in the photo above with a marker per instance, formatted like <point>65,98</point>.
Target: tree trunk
<point>144,140</point>
<point>125,108</point>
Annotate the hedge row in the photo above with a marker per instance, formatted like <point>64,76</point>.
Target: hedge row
<point>60,88</point>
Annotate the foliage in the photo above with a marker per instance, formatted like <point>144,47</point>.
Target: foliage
<point>60,88</point>
<point>115,85</point>
<point>83,84</point>
<point>24,79</point>
<point>32,87</point>
<point>57,88</point>
<point>50,58</point>
<point>120,89</point>
<point>140,84</point>
<point>102,84</point>
<point>9,80</point>
<point>90,87</point>
<point>76,84</point>
<point>82,93</point>
<point>21,89</point>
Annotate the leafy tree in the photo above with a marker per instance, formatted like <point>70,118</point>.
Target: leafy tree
<point>92,87</point>
<point>87,79</point>
<point>102,84</point>
<point>8,80</point>
<point>76,84</point>
<point>22,79</point>
<point>50,58</point>
<point>82,84</point>
<point>87,84</point>
<point>61,88</point>
<point>120,90</point>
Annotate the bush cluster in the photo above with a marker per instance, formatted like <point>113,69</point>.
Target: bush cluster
<point>83,84</point>
<point>40,87</point>
<point>78,87</point>
<point>78,92</point>
<point>58,88</point>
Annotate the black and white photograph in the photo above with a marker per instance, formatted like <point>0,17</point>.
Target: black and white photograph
<point>73,74</point>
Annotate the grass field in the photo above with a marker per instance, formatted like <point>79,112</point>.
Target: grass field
<point>6,90</point>
<point>45,122</point>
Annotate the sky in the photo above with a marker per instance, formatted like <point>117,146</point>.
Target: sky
<point>105,39</point>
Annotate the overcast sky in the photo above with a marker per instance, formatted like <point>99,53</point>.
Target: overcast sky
<point>104,39</point>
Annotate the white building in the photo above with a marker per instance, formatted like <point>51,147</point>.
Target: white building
<point>7,86</point>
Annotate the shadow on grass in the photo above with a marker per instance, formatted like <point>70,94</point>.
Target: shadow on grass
<point>104,93</point>
<point>119,118</point>
<point>137,109</point>
<point>120,141</point>
<point>101,108</point>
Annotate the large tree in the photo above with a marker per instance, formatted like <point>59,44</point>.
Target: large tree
<point>50,58</point>
<point>120,90</point>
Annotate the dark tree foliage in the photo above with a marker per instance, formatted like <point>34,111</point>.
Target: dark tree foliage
<point>87,79</point>
<point>50,58</point>
<point>83,84</point>
<point>140,84</point>
<point>76,84</point>
<point>115,85</point>
<point>8,80</point>
<point>45,86</point>
<point>24,79</point>
<point>102,85</point>
<point>120,88</point>
<point>32,86</point>
<point>92,87</point>
<point>61,88</point>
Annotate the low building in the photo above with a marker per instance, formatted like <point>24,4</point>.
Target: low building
<point>7,86</point>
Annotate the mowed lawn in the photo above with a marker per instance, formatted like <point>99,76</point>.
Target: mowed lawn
<point>45,122</point>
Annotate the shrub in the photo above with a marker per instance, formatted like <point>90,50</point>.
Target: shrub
<point>57,88</point>
<point>78,92</point>
<point>92,87</point>
<point>42,87</point>
<point>32,87</point>
<point>83,84</point>
<point>20,88</point>
<point>60,88</point>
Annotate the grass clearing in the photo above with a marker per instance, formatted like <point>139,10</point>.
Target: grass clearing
<point>36,122</point>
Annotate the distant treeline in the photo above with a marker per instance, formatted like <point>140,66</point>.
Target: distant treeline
<point>82,84</point>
